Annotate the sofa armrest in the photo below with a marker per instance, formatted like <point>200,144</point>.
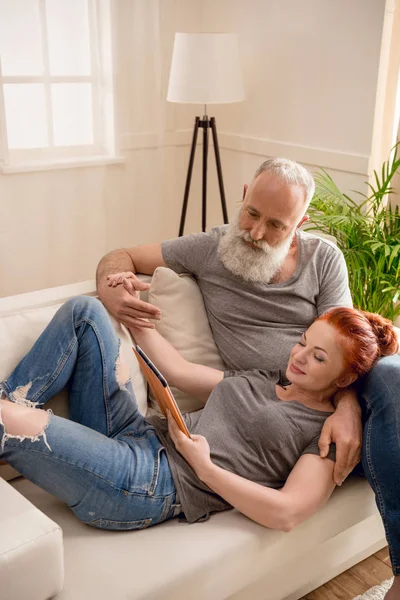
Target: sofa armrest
<point>31,549</point>
<point>53,296</point>
<point>48,297</point>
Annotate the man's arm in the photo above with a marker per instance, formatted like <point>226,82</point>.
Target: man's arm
<point>127,307</point>
<point>139,259</point>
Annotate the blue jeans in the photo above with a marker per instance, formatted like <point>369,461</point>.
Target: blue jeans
<point>381,446</point>
<point>106,462</point>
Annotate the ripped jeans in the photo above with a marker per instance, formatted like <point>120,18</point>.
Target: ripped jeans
<point>106,462</point>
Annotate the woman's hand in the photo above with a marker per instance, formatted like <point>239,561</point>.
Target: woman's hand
<point>121,295</point>
<point>195,450</point>
<point>118,278</point>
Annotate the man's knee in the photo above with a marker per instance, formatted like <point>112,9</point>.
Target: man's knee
<point>386,370</point>
<point>383,382</point>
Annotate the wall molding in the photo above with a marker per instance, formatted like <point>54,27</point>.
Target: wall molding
<point>319,157</point>
<point>142,141</point>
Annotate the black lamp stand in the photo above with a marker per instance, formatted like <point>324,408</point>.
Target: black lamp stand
<point>205,124</point>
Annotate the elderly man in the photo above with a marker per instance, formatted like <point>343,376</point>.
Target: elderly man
<point>263,282</point>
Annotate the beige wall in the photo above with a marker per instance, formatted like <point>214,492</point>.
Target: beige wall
<point>311,71</point>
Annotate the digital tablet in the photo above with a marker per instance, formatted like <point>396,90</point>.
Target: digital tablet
<point>160,388</point>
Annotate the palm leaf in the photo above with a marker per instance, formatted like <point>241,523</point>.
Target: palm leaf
<point>367,232</point>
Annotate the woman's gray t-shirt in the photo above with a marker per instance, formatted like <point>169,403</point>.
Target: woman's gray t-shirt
<point>251,432</point>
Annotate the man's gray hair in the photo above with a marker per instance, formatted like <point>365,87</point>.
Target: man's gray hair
<point>290,173</point>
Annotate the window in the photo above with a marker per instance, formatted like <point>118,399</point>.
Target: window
<point>55,89</point>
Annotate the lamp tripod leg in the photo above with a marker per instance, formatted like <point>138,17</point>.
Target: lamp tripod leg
<point>204,188</point>
<point>189,176</point>
<point>219,170</point>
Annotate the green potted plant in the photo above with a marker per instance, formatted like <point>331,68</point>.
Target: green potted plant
<point>368,233</point>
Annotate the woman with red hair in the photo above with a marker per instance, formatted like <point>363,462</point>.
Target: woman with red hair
<point>365,337</point>
<point>254,445</point>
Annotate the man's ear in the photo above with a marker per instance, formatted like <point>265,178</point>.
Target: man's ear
<point>245,188</point>
<point>303,220</point>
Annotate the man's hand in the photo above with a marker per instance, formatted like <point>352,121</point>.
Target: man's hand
<point>120,294</point>
<point>343,428</point>
<point>195,450</point>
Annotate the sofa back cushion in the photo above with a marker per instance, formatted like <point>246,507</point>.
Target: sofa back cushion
<point>184,324</point>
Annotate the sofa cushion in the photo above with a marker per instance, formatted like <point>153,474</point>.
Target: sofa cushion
<point>184,324</point>
<point>214,559</point>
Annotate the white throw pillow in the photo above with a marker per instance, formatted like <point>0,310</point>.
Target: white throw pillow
<point>18,333</point>
<point>184,324</point>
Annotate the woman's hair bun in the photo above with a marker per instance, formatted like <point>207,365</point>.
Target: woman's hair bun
<point>385,333</point>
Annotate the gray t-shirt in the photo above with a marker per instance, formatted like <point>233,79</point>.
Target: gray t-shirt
<point>251,432</point>
<point>255,325</point>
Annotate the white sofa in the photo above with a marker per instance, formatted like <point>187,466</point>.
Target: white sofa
<point>45,552</point>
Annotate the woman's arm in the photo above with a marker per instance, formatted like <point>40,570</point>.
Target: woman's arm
<point>191,378</point>
<point>307,488</point>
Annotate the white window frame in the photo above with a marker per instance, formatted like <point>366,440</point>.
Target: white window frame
<point>99,19</point>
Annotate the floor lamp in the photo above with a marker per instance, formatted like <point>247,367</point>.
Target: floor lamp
<point>205,70</point>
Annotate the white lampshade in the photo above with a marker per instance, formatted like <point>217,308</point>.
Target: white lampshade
<point>205,69</point>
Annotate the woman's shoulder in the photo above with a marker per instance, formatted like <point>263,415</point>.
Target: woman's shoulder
<point>254,375</point>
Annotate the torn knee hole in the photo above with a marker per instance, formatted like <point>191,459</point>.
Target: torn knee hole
<point>122,372</point>
<point>19,396</point>
<point>17,425</point>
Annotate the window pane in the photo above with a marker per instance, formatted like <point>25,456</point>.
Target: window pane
<point>20,37</point>
<point>68,35</point>
<point>72,114</point>
<point>25,115</point>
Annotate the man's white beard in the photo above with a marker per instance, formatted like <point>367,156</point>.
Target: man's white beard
<point>257,264</point>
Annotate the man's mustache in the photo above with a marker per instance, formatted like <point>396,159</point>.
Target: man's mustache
<point>262,244</point>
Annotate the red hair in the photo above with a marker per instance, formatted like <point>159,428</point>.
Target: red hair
<point>365,336</point>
